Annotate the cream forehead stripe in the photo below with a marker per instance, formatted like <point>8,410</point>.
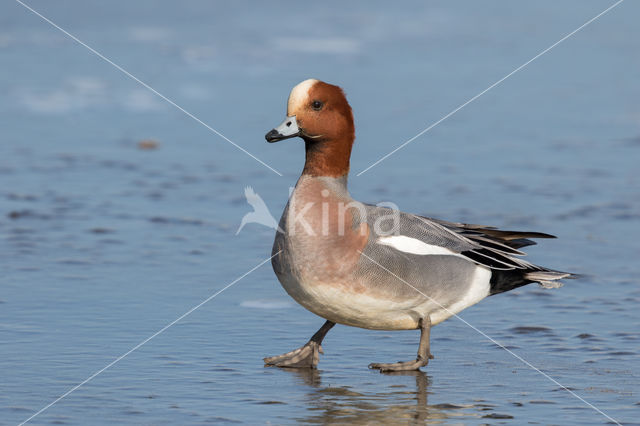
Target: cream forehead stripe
<point>299,95</point>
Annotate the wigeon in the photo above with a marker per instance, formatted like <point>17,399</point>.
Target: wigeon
<point>373,267</point>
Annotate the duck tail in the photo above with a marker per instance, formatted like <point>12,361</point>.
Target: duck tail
<point>502,281</point>
<point>547,278</point>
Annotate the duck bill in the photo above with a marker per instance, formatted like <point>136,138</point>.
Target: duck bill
<point>287,129</point>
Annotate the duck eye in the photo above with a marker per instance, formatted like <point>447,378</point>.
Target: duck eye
<point>317,105</point>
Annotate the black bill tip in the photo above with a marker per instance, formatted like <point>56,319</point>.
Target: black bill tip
<point>273,136</point>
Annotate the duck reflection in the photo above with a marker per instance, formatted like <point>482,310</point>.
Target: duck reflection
<point>404,400</point>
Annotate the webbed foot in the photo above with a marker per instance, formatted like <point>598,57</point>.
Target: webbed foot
<point>306,356</point>
<point>424,352</point>
<point>400,366</point>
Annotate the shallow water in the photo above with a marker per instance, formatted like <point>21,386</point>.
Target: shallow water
<point>103,244</point>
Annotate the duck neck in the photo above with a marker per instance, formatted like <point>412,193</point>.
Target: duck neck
<point>329,158</point>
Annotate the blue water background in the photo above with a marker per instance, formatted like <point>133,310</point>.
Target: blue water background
<point>103,244</point>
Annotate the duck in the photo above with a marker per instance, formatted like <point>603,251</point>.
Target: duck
<point>373,266</point>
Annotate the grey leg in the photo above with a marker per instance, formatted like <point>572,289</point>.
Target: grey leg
<point>306,356</point>
<point>424,354</point>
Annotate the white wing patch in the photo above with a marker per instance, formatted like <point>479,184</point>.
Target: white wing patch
<point>414,246</point>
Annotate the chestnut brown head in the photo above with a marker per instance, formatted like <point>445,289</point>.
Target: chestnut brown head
<point>319,113</point>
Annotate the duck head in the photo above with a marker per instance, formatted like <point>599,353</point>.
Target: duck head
<point>319,113</point>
